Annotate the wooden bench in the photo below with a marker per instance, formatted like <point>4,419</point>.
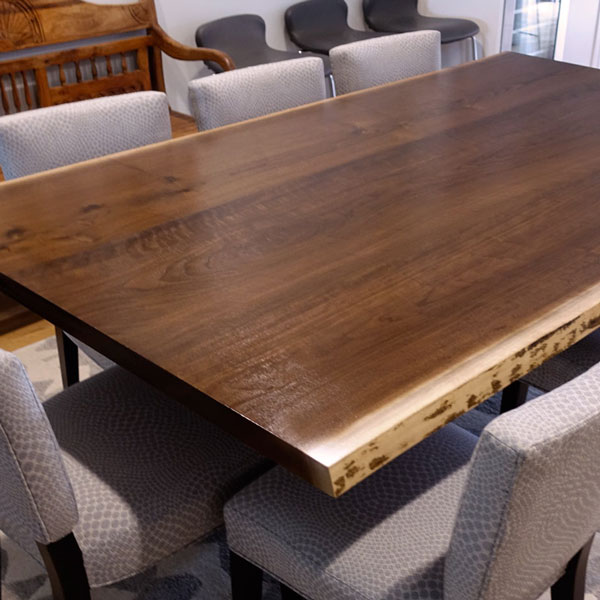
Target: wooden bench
<point>57,51</point>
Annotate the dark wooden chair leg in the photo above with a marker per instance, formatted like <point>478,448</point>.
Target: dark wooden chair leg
<point>64,563</point>
<point>289,594</point>
<point>513,396</point>
<point>246,579</point>
<point>68,356</point>
<point>571,586</point>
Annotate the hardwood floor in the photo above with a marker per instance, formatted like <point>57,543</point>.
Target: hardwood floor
<point>23,336</point>
<point>13,315</point>
<point>182,124</point>
<point>14,318</point>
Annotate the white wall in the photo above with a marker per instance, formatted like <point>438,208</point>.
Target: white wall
<point>488,14</point>
<point>180,18</point>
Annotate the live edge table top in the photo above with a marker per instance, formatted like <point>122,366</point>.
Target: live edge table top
<point>333,283</point>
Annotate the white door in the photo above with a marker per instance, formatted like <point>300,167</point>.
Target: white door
<point>531,26</point>
<point>566,30</point>
<point>578,33</point>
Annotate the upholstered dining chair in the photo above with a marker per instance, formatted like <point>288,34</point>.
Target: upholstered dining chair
<point>256,91</point>
<point>243,37</point>
<point>402,16</point>
<point>319,25</point>
<point>108,477</point>
<point>500,517</point>
<point>369,63</point>
<point>56,136</point>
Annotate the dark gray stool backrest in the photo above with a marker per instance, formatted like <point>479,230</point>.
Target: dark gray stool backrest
<point>395,8</point>
<point>316,17</point>
<point>232,31</point>
<point>238,36</point>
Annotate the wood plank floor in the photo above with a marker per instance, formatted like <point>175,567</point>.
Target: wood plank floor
<point>23,336</point>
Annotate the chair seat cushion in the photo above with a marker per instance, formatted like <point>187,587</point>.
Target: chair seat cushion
<point>385,538</point>
<point>250,57</point>
<point>567,365</point>
<point>323,42</point>
<point>452,30</point>
<point>149,476</point>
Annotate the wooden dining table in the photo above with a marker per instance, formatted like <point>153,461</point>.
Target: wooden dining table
<point>333,283</point>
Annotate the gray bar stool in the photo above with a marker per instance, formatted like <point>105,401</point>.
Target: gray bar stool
<point>402,16</point>
<point>243,38</point>
<point>320,25</point>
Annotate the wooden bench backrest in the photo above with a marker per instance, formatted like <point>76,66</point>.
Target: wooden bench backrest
<point>131,63</point>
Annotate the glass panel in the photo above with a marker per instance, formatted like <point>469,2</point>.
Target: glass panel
<point>535,25</point>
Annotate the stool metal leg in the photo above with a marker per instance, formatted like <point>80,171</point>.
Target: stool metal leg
<point>475,49</point>
<point>332,84</point>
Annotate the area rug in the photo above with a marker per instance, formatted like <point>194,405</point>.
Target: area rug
<point>200,571</point>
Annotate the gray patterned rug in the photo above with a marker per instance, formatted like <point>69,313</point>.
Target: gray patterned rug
<point>199,572</point>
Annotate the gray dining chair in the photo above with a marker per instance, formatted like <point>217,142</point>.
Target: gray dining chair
<point>365,64</point>
<point>243,94</point>
<point>500,517</point>
<point>56,136</point>
<point>107,478</point>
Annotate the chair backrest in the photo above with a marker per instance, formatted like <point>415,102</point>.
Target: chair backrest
<point>82,67</point>
<point>235,31</point>
<point>37,503</point>
<point>55,136</point>
<point>532,497</point>
<point>315,17</point>
<point>368,63</point>
<point>377,11</point>
<point>256,91</point>
<point>239,36</point>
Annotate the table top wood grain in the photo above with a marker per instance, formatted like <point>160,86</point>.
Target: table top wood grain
<point>333,283</point>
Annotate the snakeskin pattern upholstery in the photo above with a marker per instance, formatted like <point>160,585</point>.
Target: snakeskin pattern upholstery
<point>36,499</point>
<point>149,476</point>
<point>368,63</point>
<point>567,365</point>
<point>532,499</point>
<point>256,91</point>
<point>385,538</point>
<point>46,138</point>
<point>427,526</point>
<point>146,476</point>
